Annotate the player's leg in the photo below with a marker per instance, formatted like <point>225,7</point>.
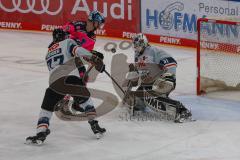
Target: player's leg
<point>90,111</point>
<point>51,98</point>
<point>77,100</point>
<point>163,86</point>
<point>85,104</point>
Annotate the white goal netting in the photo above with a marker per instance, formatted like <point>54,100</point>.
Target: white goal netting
<point>218,56</point>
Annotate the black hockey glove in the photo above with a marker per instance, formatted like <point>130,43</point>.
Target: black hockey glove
<point>97,54</point>
<point>99,65</point>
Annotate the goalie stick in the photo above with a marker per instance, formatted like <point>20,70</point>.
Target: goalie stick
<point>114,81</point>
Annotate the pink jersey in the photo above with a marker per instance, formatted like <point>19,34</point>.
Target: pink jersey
<point>77,31</point>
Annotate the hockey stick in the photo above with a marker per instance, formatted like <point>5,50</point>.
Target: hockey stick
<point>114,81</point>
<point>129,87</point>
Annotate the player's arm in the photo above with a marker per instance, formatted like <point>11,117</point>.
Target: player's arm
<point>78,51</point>
<point>165,83</point>
<point>68,28</point>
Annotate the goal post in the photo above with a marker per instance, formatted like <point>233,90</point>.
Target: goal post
<point>218,54</point>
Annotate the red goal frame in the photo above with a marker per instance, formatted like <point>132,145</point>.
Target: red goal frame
<point>233,48</point>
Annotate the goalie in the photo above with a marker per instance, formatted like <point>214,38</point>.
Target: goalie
<point>156,71</point>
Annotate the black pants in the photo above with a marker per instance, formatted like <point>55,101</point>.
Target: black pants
<point>53,96</point>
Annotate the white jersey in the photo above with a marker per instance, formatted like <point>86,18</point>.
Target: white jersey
<point>58,54</point>
<point>155,61</point>
<point>60,58</point>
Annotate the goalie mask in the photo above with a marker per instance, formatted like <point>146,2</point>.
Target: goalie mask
<point>140,42</point>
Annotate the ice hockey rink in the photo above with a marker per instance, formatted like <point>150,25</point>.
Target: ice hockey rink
<point>24,77</point>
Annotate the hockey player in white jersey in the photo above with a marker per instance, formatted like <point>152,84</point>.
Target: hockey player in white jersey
<point>61,53</point>
<point>156,70</point>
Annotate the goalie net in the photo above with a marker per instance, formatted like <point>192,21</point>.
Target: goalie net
<point>218,55</point>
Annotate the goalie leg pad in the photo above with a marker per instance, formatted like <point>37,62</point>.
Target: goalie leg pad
<point>139,104</point>
<point>170,107</point>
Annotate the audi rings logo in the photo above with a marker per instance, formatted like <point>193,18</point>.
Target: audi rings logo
<point>31,5</point>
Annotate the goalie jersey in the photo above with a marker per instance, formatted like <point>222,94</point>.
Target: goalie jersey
<point>155,62</point>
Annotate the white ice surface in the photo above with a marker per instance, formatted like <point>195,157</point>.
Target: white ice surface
<point>215,136</point>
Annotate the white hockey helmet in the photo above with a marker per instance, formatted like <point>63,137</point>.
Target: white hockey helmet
<point>140,42</point>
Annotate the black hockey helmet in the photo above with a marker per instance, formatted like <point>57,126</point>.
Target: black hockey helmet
<point>58,35</point>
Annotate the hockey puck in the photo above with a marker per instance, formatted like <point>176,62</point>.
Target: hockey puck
<point>113,50</point>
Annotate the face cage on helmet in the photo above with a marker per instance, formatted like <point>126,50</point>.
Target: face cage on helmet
<point>138,43</point>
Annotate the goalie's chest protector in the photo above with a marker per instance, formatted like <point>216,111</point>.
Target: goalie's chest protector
<point>148,62</point>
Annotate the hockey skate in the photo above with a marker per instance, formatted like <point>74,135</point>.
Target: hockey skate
<point>75,108</point>
<point>38,139</point>
<point>184,116</point>
<point>97,130</point>
<point>70,107</point>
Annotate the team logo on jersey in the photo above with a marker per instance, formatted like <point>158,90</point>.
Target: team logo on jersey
<point>53,47</point>
<point>142,61</point>
<point>54,52</point>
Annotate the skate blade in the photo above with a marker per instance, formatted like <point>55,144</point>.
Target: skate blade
<point>38,143</point>
<point>99,135</point>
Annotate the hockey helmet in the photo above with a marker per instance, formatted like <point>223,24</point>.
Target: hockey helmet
<point>96,16</point>
<point>58,35</point>
<point>140,42</point>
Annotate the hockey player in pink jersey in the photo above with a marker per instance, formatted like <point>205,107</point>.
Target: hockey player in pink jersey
<point>82,32</point>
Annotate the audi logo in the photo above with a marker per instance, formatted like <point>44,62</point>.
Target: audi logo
<point>31,7</point>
